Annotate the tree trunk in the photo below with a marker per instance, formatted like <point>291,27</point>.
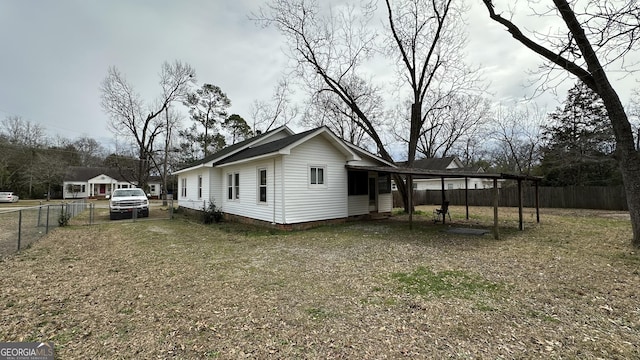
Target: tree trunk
<point>627,156</point>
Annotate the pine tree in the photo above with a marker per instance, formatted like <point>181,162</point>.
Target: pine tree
<point>579,142</point>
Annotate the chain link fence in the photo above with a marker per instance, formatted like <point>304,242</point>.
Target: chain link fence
<point>22,227</point>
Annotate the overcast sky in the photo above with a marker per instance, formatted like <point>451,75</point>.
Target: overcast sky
<point>54,55</point>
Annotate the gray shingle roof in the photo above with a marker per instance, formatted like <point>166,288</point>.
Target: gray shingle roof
<point>230,149</point>
<point>267,148</point>
<point>79,173</point>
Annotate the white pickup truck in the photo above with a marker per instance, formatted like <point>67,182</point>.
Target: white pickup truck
<point>123,203</point>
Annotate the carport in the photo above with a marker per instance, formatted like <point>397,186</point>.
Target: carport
<point>410,173</point>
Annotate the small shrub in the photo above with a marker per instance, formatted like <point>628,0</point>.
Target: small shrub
<point>212,213</point>
<point>63,219</point>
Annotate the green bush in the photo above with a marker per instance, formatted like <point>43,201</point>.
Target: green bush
<point>212,213</point>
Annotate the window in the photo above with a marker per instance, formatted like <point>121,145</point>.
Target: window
<point>384,183</point>
<point>237,185</point>
<point>316,175</point>
<point>183,187</point>
<point>199,187</point>
<point>358,182</point>
<point>83,188</point>
<point>262,185</point>
<point>233,186</point>
<point>450,186</point>
<point>152,188</point>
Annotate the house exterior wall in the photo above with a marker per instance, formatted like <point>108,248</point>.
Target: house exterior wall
<point>193,199</point>
<point>306,202</point>
<point>248,204</point>
<point>385,203</point>
<point>358,205</point>
<point>66,194</point>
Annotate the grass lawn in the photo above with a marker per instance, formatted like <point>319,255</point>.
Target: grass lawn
<point>567,288</point>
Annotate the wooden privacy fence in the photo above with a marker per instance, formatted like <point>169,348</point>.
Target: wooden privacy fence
<point>576,197</point>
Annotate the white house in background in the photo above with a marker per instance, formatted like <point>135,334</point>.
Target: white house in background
<point>287,179</point>
<point>96,182</point>
<point>451,163</point>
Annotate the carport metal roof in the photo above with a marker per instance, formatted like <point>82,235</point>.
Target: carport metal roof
<point>448,174</point>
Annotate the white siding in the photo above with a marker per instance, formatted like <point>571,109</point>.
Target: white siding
<point>248,205</point>
<point>385,202</point>
<point>358,205</point>
<point>305,202</point>
<point>215,188</point>
<point>192,201</point>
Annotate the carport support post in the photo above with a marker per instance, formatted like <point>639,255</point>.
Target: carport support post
<point>466,195</point>
<point>443,198</point>
<point>496,198</point>
<point>521,223</point>
<point>537,203</point>
<point>410,199</point>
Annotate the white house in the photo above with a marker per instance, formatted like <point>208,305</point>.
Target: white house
<point>444,164</point>
<point>288,180</point>
<point>96,182</point>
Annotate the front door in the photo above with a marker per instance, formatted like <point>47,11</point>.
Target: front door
<point>103,189</point>
<point>373,194</point>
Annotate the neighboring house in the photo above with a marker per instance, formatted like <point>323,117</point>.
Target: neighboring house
<point>288,179</point>
<point>451,163</point>
<point>94,182</point>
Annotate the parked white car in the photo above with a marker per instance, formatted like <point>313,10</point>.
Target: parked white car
<point>8,197</point>
<point>123,203</point>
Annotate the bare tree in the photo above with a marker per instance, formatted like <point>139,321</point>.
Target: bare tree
<point>22,132</point>
<point>449,127</point>
<point>426,38</point>
<point>331,48</point>
<point>130,117</point>
<point>326,109</point>
<point>595,36</point>
<point>91,153</point>
<point>517,134</point>
<point>278,111</point>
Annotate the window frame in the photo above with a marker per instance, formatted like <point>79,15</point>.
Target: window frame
<point>313,177</point>
<point>233,186</point>
<point>262,186</point>
<point>183,187</point>
<point>200,187</point>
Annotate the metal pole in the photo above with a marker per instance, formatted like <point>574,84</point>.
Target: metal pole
<point>47,228</point>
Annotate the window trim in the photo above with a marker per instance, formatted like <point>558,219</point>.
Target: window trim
<point>200,187</point>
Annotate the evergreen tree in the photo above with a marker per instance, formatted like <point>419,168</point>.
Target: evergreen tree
<point>208,108</point>
<point>579,142</point>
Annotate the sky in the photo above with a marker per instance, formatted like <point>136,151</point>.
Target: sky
<point>55,54</point>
